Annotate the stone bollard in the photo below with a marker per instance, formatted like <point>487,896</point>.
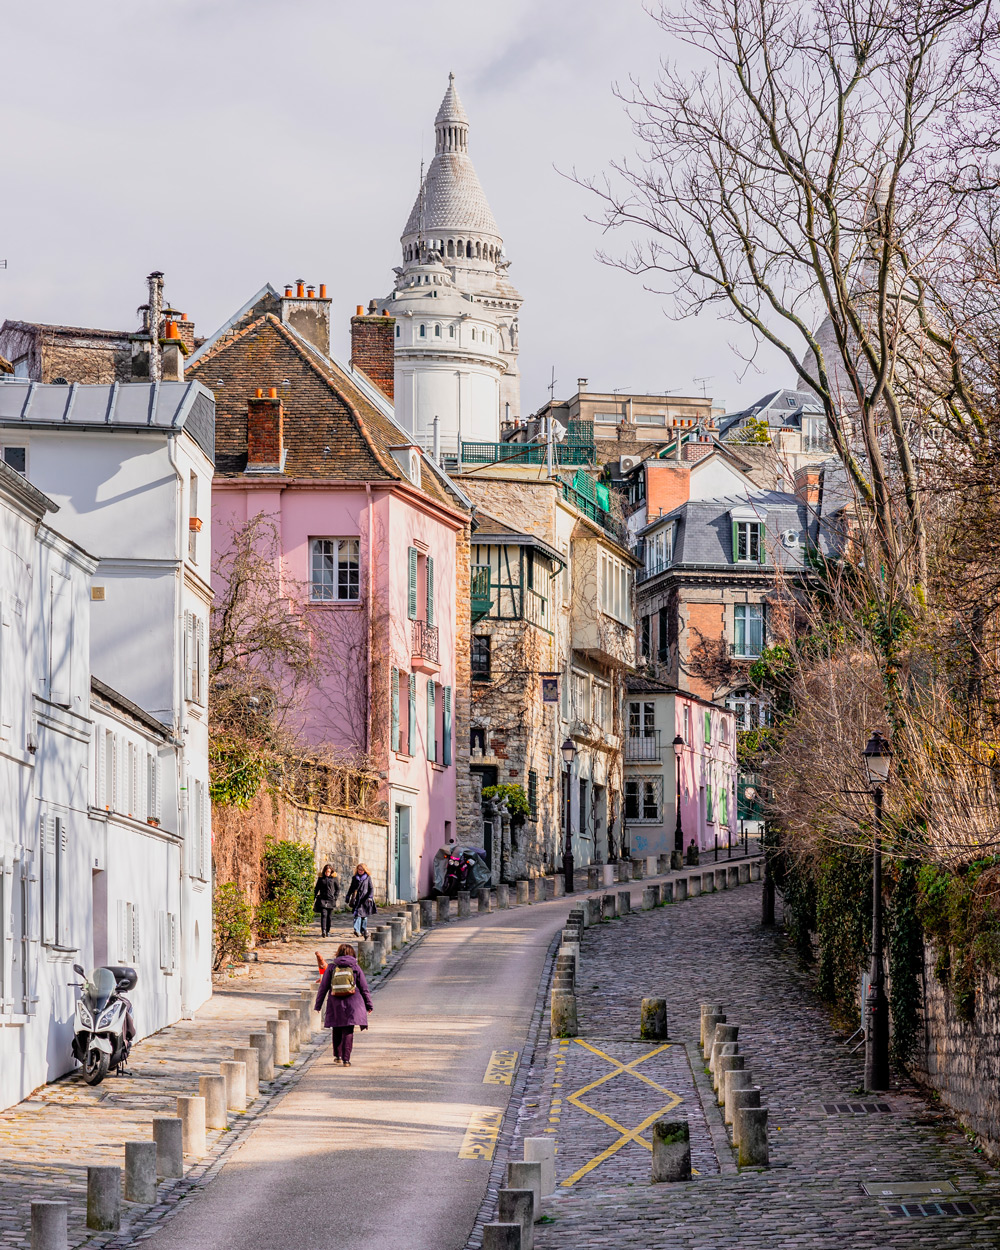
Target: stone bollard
<point>720,878</point>
<point>464,904</point>
<point>503,896</point>
<point>649,898</point>
<point>249,1056</point>
<point>501,1237</point>
<point>607,875</point>
<point>483,900</point>
<point>191,1112</point>
<point>624,871</point>
<point>522,893</point>
<point>594,877</point>
<point>680,889</point>
<point>755,870</point>
<point>708,1009</point>
<point>708,883</point>
<point>263,1044</point>
<point>427,910</point>
<point>609,907</point>
<point>651,865</point>
<point>724,1032</point>
<point>732,877</point>
<point>743,1099</point>
<point>724,1065</point>
<point>662,864</point>
<point>415,923</point>
<point>235,1074</point>
<point>517,1206</point>
<point>753,1137</point>
<point>736,1079</point>
<point>279,1032</point>
<point>366,958</point>
<point>666,892</point>
<point>573,949</point>
<point>385,941</point>
<point>710,1024</point>
<point>213,1090</point>
<point>527,1176</point>
<point>566,964</point>
<point>542,1150</point>
<point>558,887</point>
<point>443,908</point>
<point>397,926</point>
<point>168,1137</point>
<point>140,1172</point>
<point>562,1022</point>
<point>291,1017</point>
<point>694,885</point>
<point>719,1051</point>
<point>744,871</point>
<point>671,1151</point>
<point>49,1225</point>
<point>104,1197</point>
<point>591,912</point>
<point>653,1020</point>
<point>624,902</point>
<point>306,1000</point>
<point>408,922</point>
<point>638,867</point>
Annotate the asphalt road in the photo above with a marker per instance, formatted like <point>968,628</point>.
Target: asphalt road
<point>367,1157</point>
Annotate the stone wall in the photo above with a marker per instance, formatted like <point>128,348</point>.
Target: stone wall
<point>342,840</point>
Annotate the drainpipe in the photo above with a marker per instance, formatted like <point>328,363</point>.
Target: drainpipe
<point>371,594</point>
<point>437,441</point>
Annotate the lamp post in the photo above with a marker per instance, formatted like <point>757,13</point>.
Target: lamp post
<point>568,754</point>
<point>677,859</point>
<point>877,756</point>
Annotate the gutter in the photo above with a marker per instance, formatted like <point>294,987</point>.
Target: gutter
<point>183,813</point>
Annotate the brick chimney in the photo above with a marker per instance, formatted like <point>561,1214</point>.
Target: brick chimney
<point>807,485</point>
<point>308,313</point>
<point>668,485</point>
<point>373,347</point>
<point>265,433</point>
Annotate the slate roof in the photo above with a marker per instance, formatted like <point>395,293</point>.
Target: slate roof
<point>110,696</point>
<point>780,409</point>
<point>637,683</point>
<point>703,531</point>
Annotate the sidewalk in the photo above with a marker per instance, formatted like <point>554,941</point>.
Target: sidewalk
<point>598,1094</point>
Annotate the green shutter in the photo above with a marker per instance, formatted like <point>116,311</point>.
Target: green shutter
<point>394,738</point>
<point>446,736</point>
<point>411,600</point>
<point>708,804</point>
<point>431,752</point>
<point>736,544</point>
<point>723,806</point>
<point>411,739</point>
<point>708,728</point>
<point>430,590</point>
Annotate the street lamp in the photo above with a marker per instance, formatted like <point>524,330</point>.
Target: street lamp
<point>677,859</point>
<point>569,755</point>
<point>877,756</point>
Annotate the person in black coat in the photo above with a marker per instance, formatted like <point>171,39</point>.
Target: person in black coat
<point>361,897</point>
<point>325,897</point>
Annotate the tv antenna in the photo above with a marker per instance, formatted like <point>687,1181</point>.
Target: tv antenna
<point>552,386</point>
<point>704,388</point>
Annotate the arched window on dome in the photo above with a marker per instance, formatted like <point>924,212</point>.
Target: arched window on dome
<point>459,248</point>
<point>437,332</point>
<point>468,249</point>
<point>451,247</point>
<point>423,332</point>
<point>397,329</point>
<point>473,334</point>
<point>451,332</point>
<point>479,251</point>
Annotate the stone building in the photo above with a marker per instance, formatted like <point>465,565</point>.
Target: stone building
<point>49,353</point>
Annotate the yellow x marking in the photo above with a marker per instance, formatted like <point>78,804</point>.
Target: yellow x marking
<point>627,1134</point>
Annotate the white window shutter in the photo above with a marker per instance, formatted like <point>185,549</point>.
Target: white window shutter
<point>124,930</point>
<point>64,914</point>
<point>164,939</point>
<point>115,784</point>
<point>206,834</point>
<point>48,840</point>
<point>7,674</point>
<point>188,657</point>
<point>7,932</point>
<point>100,798</point>
<point>173,941</point>
<point>200,682</point>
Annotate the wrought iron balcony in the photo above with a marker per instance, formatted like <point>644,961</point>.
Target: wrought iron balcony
<point>642,749</point>
<point>481,597</point>
<point>424,647</point>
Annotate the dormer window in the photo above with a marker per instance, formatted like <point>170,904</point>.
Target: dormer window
<point>748,538</point>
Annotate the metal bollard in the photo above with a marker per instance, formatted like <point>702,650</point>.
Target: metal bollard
<point>653,1019</point>
<point>191,1112</point>
<point>140,1172</point>
<point>104,1197</point>
<point>263,1044</point>
<point>517,1206</point>
<point>234,1074</point>
<point>49,1225</point>
<point>168,1136</point>
<point>213,1090</point>
<point>542,1150</point>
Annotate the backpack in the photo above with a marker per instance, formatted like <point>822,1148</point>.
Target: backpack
<point>343,984</point>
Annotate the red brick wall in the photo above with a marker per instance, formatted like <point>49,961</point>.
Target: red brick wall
<point>373,350</point>
<point>667,487</point>
<point>701,623</point>
<point>265,431</point>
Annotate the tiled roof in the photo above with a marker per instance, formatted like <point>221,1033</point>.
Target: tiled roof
<point>451,109</point>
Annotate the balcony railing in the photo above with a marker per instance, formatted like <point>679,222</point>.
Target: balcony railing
<point>536,608</point>
<point>611,525</point>
<point>480,596</point>
<point>569,453</point>
<point>642,749</point>
<point>424,642</point>
<point>650,570</point>
<point>746,650</point>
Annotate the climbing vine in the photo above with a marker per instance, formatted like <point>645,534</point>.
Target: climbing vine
<point>905,940</point>
<point>843,924</point>
<point>959,914</point>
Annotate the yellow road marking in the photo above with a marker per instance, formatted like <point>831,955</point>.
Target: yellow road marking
<point>481,1136</point>
<point>501,1068</point>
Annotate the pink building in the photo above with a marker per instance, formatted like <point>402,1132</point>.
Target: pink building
<point>370,536</point>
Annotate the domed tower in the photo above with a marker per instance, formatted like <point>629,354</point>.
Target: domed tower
<point>455,309</point>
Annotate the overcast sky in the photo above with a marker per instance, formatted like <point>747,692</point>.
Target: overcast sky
<point>236,142</point>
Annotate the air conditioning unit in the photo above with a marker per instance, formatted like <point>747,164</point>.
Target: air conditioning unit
<point>627,463</point>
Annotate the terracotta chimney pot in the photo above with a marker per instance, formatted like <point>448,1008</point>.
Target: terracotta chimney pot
<point>273,393</point>
<point>300,288</point>
<point>322,290</point>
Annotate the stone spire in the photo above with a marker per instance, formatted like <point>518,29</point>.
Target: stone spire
<point>451,126</point>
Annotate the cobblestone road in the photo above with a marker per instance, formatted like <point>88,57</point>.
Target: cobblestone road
<point>712,948</point>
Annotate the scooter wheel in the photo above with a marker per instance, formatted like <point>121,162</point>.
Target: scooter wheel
<point>95,1066</point>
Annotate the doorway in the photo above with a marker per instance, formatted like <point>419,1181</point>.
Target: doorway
<point>488,776</point>
<point>401,840</point>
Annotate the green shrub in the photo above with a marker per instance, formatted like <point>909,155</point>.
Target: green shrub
<point>289,872</point>
<point>232,928</point>
<point>517,800</point>
<point>237,773</point>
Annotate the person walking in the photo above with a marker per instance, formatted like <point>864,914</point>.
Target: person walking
<point>348,1001</point>
<point>361,897</point>
<point>325,895</point>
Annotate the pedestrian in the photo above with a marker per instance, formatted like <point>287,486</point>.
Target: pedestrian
<point>361,897</point>
<point>325,895</point>
<point>347,1001</point>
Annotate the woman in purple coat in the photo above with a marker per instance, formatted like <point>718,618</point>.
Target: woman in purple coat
<point>343,1012</point>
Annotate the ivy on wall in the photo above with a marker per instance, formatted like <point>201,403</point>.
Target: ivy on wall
<point>959,914</point>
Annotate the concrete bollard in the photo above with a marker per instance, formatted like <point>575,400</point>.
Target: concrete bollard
<point>49,1225</point>
<point>624,871</point>
<point>607,875</point>
<point>383,945</point>
<point>542,1150</point>
<point>752,1151</point>
<point>366,958</point>
<point>168,1137</point>
<point>653,1019</point>
<point>408,924</point>
<point>732,877</point>
<point>735,1079</point>
<point>609,907</point>
<point>527,1176</point>
<point>708,1009</point>
<point>755,870</point>
<point>638,869</point>
<point>397,927</point>
<point>464,904</point>
<point>306,1000</point>
<point>680,889</point>
<point>566,965</point>
<point>694,885</point>
<point>724,1065</point>
<point>191,1112</point>
<point>443,909</point>
<point>662,864</point>
<point>710,1024</point>
<point>249,1056</point>
<point>744,871</point>
<point>483,900</point>
<point>743,1099</point>
<point>427,910</point>
<point>720,878</point>
<point>720,1051</point>
<point>724,1032</point>
<point>502,1237</point>
<point>235,1074</point>
<point>104,1197</point>
<point>140,1172</point>
<point>593,877</point>
<point>708,883</point>
<point>624,902</point>
<point>503,896</point>
<point>517,1206</point>
<point>279,1032</point>
<point>522,893</point>
<point>667,892</point>
<point>671,1151</point>
<point>290,1016</point>
<point>213,1090</point>
<point>415,922</point>
<point>649,898</point>
<point>263,1044</point>
<point>573,949</point>
<point>651,865</point>
<point>563,1022</point>
<point>558,887</point>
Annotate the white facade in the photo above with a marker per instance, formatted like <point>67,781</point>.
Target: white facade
<point>456,310</point>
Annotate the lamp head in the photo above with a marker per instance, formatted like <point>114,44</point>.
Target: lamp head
<point>568,751</point>
<point>877,756</point>
<point>678,746</point>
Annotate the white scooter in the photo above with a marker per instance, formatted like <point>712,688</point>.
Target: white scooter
<point>103,1026</point>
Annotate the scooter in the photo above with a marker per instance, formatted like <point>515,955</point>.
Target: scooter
<point>103,1026</point>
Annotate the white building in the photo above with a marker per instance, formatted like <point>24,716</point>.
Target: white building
<point>456,328</point>
<point>129,468</point>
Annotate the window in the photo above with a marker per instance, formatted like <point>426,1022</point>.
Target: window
<point>194,522</point>
<point>152,787</point>
<point>451,332</point>
<point>21,367</point>
<point>751,711</point>
<point>687,726</point>
<point>437,329</point>
<point>199,837</point>
<point>642,719</point>
<point>532,794</point>
<point>602,706</point>
<point>646,639</point>
<point>60,640</point>
<point>791,401</point>
<point>335,570</point>
<point>615,588</point>
<point>662,637</point>
<point>644,800</point>
<point>128,932</point>
<point>16,458</point>
<point>659,550</point>
<point>423,332</point>
<point>581,696</point>
<point>397,329</point>
<point>480,657</point>
<point>194,658</point>
<point>473,334</point>
<point>649,418</point>
<point>748,542</point>
<point>446,730</point>
<point>109,749</point>
<point>749,629</point>
<point>168,942</point>
<point>607,418</point>
<point>17,898</point>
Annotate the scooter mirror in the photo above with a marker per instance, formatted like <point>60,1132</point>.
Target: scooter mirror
<point>77,969</point>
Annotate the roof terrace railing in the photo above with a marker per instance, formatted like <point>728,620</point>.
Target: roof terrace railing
<point>611,525</point>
